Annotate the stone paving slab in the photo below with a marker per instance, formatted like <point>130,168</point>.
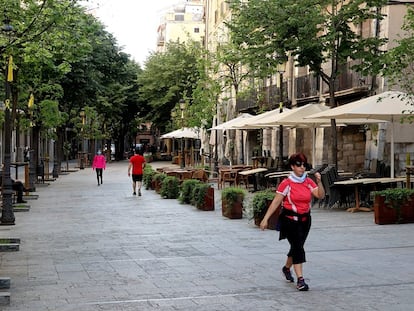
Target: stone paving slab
<point>91,248</point>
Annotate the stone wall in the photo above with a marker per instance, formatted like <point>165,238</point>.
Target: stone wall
<point>351,149</point>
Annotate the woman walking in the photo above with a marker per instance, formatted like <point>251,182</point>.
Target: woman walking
<point>99,164</point>
<point>295,194</point>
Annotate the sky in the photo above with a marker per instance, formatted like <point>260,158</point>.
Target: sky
<point>133,23</point>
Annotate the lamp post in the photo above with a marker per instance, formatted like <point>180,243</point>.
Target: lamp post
<point>81,156</point>
<point>216,148</point>
<point>7,215</point>
<point>173,116</point>
<point>182,108</point>
<point>281,71</point>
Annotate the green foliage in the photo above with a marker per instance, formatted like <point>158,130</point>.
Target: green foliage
<point>260,200</point>
<point>232,194</point>
<point>147,176</point>
<point>399,61</point>
<point>170,188</point>
<point>322,35</point>
<point>169,77</point>
<point>199,193</point>
<point>314,32</point>
<point>187,187</point>
<point>158,177</point>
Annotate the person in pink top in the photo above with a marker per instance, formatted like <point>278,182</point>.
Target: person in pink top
<point>295,194</point>
<point>99,164</point>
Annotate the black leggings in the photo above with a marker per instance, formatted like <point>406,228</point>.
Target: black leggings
<point>99,174</point>
<point>296,233</point>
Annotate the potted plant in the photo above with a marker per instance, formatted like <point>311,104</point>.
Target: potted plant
<point>157,179</point>
<point>259,205</point>
<point>394,205</point>
<point>147,176</point>
<point>170,188</point>
<point>187,187</point>
<point>232,202</point>
<point>203,196</point>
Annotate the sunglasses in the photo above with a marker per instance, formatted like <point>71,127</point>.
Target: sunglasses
<point>299,164</point>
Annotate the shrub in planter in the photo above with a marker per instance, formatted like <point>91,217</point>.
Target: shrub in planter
<point>148,173</point>
<point>157,180</point>
<point>170,188</point>
<point>395,205</point>
<point>203,196</point>
<point>232,202</point>
<point>259,205</point>
<point>187,187</point>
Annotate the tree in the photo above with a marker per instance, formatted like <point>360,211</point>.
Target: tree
<point>399,61</point>
<point>167,78</point>
<point>320,34</point>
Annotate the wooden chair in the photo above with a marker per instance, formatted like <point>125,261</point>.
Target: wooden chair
<point>229,177</point>
<point>186,175</point>
<point>200,175</point>
<point>243,179</point>
<point>212,177</point>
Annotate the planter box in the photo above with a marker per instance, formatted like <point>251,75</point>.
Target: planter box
<point>157,186</point>
<point>273,220</point>
<point>234,211</point>
<point>384,214</point>
<point>208,201</point>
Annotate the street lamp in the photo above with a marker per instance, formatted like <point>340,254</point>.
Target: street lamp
<point>182,108</point>
<point>81,156</point>
<point>7,215</point>
<point>215,145</point>
<point>173,116</point>
<point>281,71</point>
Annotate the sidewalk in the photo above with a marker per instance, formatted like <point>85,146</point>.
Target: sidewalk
<point>90,248</point>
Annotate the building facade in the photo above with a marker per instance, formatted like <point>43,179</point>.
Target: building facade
<point>358,145</point>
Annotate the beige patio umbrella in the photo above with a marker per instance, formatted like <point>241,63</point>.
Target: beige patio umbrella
<point>231,124</point>
<point>298,118</point>
<point>185,132</point>
<point>389,106</point>
<point>254,121</point>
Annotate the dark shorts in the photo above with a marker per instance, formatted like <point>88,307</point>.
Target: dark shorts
<point>136,177</point>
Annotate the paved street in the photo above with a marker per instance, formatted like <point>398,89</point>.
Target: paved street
<point>90,248</point>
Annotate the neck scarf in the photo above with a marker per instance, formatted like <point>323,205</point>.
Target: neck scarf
<point>297,179</point>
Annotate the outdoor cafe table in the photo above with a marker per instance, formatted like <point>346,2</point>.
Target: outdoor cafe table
<point>356,183</point>
<point>277,175</point>
<point>180,173</point>
<point>254,172</point>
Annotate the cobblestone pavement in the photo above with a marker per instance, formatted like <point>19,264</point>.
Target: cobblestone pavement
<point>90,248</point>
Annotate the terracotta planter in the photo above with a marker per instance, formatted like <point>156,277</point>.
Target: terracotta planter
<point>208,204</point>
<point>153,185</point>
<point>232,210</point>
<point>157,186</point>
<point>384,214</point>
<point>273,220</point>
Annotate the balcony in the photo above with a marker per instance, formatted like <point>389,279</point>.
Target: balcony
<point>267,99</point>
<point>349,82</point>
<point>307,87</point>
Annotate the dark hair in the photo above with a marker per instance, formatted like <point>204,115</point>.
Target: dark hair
<point>138,150</point>
<point>298,157</point>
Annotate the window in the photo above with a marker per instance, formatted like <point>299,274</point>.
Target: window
<point>196,30</point>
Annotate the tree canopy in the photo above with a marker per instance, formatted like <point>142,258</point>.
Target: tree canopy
<point>320,34</point>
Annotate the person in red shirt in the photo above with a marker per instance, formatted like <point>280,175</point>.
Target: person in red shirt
<point>137,164</point>
<point>295,194</point>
